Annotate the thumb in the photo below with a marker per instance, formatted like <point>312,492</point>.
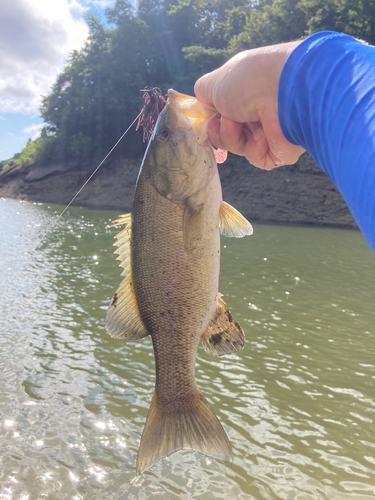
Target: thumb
<point>203,89</point>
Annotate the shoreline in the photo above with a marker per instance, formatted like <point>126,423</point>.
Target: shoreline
<point>299,195</point>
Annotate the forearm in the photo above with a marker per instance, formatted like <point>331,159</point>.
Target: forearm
<point>327,106</point>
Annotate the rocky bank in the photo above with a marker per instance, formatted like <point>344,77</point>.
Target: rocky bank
<point>301,193</point>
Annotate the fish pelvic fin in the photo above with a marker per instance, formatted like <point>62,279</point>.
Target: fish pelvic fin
<point>223,335</point>
<point>232,223</point>
<point>188,426</point>
<point>123,319</point>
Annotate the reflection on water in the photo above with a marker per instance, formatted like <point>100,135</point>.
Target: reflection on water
<point>298,403</point>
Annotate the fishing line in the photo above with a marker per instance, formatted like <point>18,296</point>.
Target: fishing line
<point>85,184</point>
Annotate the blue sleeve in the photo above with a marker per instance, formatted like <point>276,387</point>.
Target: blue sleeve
<point>327,106</point>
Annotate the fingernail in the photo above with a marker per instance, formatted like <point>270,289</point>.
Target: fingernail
<point>258,135</point>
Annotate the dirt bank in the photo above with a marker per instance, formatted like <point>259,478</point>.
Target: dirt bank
<point>300,194</point>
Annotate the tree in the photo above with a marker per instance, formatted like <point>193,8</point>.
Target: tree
<point>354,17</point>
<point>168,43</point>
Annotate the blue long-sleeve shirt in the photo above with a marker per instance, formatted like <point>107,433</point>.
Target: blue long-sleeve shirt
<point>327,106</point>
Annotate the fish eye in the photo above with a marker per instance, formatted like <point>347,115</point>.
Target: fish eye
<point>163,136</point>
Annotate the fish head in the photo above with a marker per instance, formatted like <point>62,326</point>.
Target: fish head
<point>182,158</point>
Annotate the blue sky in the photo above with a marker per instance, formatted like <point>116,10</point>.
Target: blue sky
<point>36,37</point>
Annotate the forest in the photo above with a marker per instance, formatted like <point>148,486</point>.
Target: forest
<point>166,44</point>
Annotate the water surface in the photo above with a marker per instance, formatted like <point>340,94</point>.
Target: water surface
<point>298,403</point>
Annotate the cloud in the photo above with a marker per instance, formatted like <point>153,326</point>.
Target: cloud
<point>33,130</point>
<point>36,37</point>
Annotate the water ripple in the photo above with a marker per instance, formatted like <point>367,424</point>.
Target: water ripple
<point>297,403</point>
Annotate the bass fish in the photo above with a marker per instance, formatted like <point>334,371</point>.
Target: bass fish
<point>170,252</point>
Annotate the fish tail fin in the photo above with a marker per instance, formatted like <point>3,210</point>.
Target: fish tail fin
<point>191,426</point>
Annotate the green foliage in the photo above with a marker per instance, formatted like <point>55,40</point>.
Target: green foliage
<point>200,61</point>
<point>26,157</point>
<point>276,21</point>
<point>27,154</point>
<point>354,17</point>
<point>272,22</point>
<point>166,43</point>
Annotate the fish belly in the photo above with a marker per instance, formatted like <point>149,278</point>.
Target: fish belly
<point>176,289</point>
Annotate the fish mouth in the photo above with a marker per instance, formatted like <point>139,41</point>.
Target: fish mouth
<point>192,113</point>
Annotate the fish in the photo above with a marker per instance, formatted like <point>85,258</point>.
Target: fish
<point>170,253</point>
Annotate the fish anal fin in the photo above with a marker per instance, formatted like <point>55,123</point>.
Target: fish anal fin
<point>123,319</point>
<point>192,225</point>
<point>232,223</point>
<point>189,426</point>
<point>224,335</point>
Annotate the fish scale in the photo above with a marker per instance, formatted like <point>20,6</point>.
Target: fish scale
<point>170,253</point>
<point>178,304</point>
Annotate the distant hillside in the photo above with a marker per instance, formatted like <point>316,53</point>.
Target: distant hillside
<point>170,43</point>
<point>299,194</point>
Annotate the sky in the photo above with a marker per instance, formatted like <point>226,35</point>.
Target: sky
<point>36,38</point>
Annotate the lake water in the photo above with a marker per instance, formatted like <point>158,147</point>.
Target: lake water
<point>298,402</point>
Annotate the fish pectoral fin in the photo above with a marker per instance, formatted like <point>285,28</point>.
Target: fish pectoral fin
<point>192,224</point>
<point>232,223</point>
<point>191,425</point>
<point>223,335</point>
<point>123,319</point>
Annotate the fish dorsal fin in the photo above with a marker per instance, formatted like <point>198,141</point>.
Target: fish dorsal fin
<point>232,223</point>
<point>223,335</point>
<point>123,318</point>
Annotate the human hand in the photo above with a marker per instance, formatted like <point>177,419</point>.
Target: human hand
<point>245,92</point>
